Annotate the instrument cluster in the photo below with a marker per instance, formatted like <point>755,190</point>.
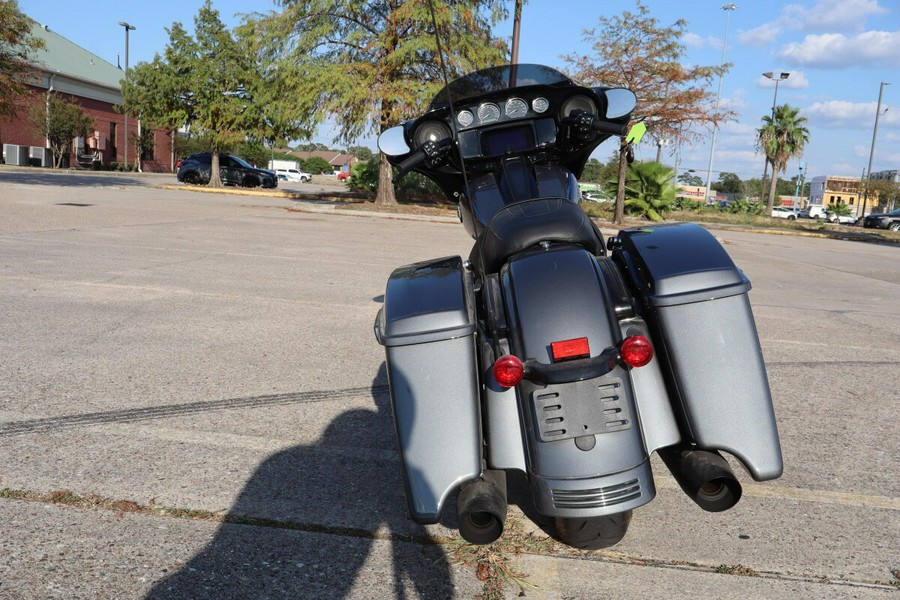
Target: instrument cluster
<point>488,113</point>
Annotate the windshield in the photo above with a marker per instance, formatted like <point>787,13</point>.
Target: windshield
<point>496,79</point>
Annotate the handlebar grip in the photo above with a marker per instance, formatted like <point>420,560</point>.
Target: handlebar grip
<point>613,128</point>
<point>409,163</point>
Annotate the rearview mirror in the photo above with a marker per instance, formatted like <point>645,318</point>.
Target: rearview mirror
<point>619,102</point>
<point>392,142</point>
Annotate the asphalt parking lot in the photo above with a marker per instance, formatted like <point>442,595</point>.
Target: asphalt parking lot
<point>193,405</point>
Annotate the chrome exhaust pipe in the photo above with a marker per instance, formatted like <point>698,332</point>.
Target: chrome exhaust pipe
<point>704,476</point>
<point>481,506</point>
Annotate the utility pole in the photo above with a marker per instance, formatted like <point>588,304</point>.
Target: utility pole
<point>872,150</point>
<point>128,28</point>
<point>712,148</point>
<point>770,75</point>
<point>517,23</point>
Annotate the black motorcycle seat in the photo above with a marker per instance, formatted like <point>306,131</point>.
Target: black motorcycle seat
<point>524,224</point>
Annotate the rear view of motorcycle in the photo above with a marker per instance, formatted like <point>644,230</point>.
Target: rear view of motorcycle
<point>550,352</point>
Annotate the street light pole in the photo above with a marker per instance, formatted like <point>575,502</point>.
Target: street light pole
<point>781,76</point>
<point>712,148</point>
<point>872,150</point>
<point>127,29</point>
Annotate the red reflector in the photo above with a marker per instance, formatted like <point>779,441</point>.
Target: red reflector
<point>637,351</point>
<point>508,371</point>
<point>577,348</point>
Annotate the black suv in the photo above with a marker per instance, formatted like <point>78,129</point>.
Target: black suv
<point>889,220</point>
<point>195,170</point>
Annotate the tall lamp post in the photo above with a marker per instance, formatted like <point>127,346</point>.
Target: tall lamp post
<point>872,150</point>
<point>712,148</point>
<point>777,80</point>
<point>127,29</point>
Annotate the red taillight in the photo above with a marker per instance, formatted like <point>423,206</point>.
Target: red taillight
<point>636,351</point>
<point>577,348</point>
<point>508,371</point>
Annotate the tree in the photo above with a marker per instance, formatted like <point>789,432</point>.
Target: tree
<point>60,121</point>
<point>688,178</point>
<point>597,172</point>
<point>361,152</point>
<point>650,190</point>
<point>154,91</point>
<point>636,52</point>
<point>221,84</point>
<point>371,64</point>
<point>882,192</point>
<point>317,165</point>
<point>729,183</point>
<point>782,137</point>
<point>17,45</point>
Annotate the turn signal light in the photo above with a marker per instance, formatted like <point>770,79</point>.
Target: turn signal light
<point>636,351</point>
<point>508,371</point>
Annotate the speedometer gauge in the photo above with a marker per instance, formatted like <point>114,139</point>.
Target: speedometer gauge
<point>488,113</point>
<point>516,108</point>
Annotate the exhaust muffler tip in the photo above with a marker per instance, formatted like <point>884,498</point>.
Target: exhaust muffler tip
<point>481,507</point>
<point>705,476</point>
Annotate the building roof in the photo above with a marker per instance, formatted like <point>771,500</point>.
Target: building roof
<point>59,55</point>
<point>335,159</point>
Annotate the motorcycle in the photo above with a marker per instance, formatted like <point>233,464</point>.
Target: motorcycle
<point>549,353</point>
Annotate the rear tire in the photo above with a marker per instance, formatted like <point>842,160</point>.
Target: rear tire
<point>594,533</point>
<point>192,178</point>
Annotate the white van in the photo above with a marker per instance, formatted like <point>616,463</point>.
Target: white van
<point>814,211</point>
<point>292,175</point>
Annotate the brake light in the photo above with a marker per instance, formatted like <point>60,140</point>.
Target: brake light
<point>577,348</point>
<point>636,351</point>
<point>508,371</point>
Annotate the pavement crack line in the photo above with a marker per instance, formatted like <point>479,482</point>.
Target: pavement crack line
<point>151,413</point>
<point>94,502</point>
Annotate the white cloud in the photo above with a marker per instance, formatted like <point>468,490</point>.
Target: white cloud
<point>837,51</point>
<point>760,36</point>
<point>692,40</point>
<point>843,169</point>
<point>827,15</point>
<point>860,151</point>
<point>840,114</point>
<point>834,15</point>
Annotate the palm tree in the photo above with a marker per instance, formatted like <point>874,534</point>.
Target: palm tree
<point>650,190</point>
<point>782,137</point>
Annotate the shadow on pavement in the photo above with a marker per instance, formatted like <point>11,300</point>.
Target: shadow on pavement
<point>304,525</point>
<point>74,179</point>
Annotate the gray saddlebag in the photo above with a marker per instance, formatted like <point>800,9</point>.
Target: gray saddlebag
<point>427,326</point>
<point>695,300</point>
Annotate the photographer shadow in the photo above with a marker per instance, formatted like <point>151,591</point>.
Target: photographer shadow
<point>311,517</point>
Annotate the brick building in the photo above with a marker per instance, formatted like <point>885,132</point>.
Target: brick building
<point>89,81</point>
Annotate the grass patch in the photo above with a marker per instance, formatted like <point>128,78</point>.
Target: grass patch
<point>493,562</point>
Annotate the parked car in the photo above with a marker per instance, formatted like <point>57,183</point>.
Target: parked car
<point>889,220</point>
<point>196,168</point>
<point>782,212</point>
<point>813,212</point>
<point>293,175</point>
<point>842,219</point>
<point>343,176</point>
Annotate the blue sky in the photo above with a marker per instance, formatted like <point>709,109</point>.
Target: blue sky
<point>836,51</point>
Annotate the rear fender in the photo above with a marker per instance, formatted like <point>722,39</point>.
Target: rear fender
<point>584,450</point>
